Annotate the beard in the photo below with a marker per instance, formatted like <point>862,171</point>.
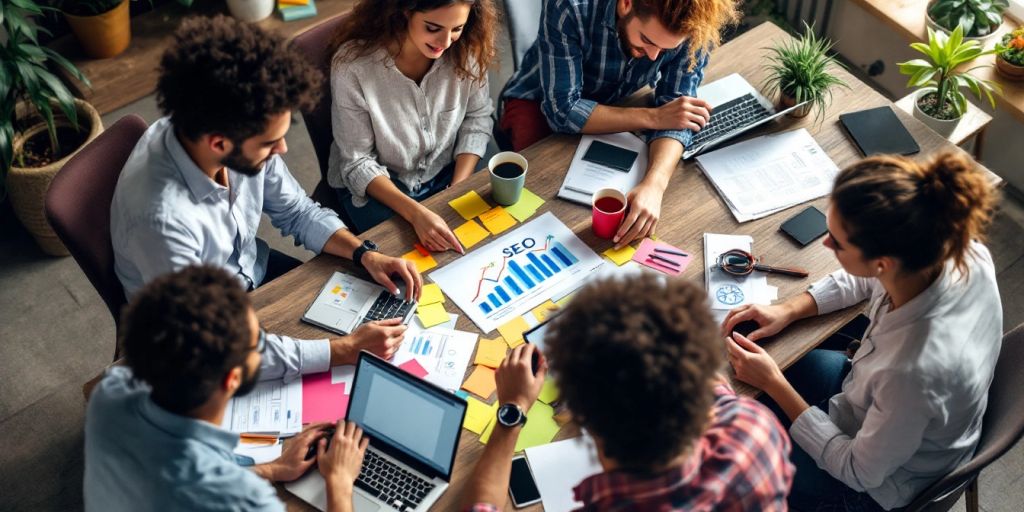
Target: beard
<point>249,382</point>
<point>236,161</point>
<point>620,24</point>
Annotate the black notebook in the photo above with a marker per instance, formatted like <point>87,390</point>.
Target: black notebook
<point>879,131</point>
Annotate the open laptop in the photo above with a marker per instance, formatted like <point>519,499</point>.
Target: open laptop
<point>414,428</point>
<point>346,301</point>
<point>736,107</point>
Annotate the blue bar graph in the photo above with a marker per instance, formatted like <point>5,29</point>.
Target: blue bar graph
<point>518,271</point>
<point>536,274</point>
<point>537,263</point>
<point>563,254</point>
<point>501,293</point>
<point>512,284</point>
<point>426,348</point>
<point>547,259</point>
<point>486,308</point>
<point>537,266</point>
<point>494,300</point>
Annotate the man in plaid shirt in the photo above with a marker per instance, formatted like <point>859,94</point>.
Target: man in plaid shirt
<point>637,364</point>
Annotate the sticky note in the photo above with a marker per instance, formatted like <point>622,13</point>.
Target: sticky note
<point>526,206</point>
<point>480,382</point>
<point>564,301</point>
<point>470,233</point>
<point>478,415</point>
<point>414,367</point>
<point>461,393</point>
<point>469,205</point>
<point>432,314</point>
<point>540,427</point>
<point>545,310</point>
<point>646,250</point>
<point>513,330</point>
<point>420,249</point>
<point>431,294</point>
<point>497,220</point>
<point>621,256</point>
<point>322,400</point>
<point>548,392</point>
<point>423,263</point>
<point>490,352</point>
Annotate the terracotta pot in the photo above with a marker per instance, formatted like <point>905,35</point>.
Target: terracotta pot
<point>27,186</point>
<point>103,35</point>
<point>940,126</point>
<point>1009,71</point>
<point>788,101</point>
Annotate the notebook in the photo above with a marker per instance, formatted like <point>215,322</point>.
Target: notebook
<point>878,131</point>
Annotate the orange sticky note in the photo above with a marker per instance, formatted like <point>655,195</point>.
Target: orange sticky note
<point>490,352</point>
<point>469,205</point>
<point>513,330</point>
<point>545,310</point>
<point>470,233</point>
<point>480,382</point>
<point>423,263</point>
<point>497,220</point>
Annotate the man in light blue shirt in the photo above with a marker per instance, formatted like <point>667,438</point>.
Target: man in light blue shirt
<point>152,440</point>
<point>194,188</point>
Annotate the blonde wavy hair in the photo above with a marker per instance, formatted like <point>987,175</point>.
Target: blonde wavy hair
<point>701,20</point>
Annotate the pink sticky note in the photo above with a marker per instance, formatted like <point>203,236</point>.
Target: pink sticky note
<point>414,367</point>
<point>646,250</point>
<point>321,400</point>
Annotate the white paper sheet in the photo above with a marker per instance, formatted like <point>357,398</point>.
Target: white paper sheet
<point>444,353</point>
<point>560,466</point>
<point>726,291</point>
<point>259,454</point>
<point>271,407</point>
<point>584,178</point>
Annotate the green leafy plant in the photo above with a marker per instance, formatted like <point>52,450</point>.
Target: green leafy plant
<point>798,68</point>
<point>88,7</point>
<point>1011,48</point>
<point>939,76</point>
<point>977,17</point>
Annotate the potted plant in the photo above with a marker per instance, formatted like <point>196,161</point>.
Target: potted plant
<point>940,102</point>
<point>101,26</point>
<point>41,123</point>
<point>979,18</point>
<point>798,71</point>
<point>1010,55</point>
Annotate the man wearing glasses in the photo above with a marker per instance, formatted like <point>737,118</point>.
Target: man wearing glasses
<point>152,438</point>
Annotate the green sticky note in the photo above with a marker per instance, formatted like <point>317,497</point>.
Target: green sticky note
<point>526,206</point>
<point>549,392</point>
<point>540,428</point>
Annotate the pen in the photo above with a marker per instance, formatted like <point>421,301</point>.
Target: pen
<point>666,260</point>
<point>668,251</point>
<point>261,437</point>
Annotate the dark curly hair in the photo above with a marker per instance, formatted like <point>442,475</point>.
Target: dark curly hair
<point>224,76</point>
<point>634,359</point>
<point>183,332</point>
<point>374,24</point>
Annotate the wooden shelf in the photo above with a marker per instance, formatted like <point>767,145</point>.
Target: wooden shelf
<point>121,80</point>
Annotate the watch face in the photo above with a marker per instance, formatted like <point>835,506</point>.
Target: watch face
<point>370,246</point>
<point>509,415</point>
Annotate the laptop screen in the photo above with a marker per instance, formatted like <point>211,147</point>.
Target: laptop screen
<point>407,413</point>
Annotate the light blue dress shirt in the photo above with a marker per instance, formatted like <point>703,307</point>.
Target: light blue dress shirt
<point>140,457</point>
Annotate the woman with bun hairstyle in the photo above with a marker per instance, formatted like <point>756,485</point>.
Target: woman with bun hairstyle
<point>871,433</point>
<point>411,108</point>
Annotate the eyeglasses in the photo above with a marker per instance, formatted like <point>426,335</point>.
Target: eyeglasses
<point>741,263</point>
<point>261,341</point>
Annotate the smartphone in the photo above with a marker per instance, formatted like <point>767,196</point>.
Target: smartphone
<point>612,157</point>
<point>521,487</point>
<point>806,226</point>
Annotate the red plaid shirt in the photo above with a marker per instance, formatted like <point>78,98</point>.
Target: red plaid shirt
<point>740,463</point>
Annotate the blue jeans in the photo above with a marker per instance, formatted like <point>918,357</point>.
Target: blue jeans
<point>374,212</point>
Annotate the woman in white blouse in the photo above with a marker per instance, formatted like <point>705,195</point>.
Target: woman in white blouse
<point>411,108</point>
<point>872,433</point>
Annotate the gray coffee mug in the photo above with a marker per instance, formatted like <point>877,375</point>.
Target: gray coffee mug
<point>506,191</point>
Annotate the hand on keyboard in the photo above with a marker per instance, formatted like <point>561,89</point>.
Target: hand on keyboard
<point>341,459</point>
<point>380,337</point>
<point>683,113</point>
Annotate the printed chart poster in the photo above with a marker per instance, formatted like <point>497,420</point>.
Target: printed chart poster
<point>517,272</point>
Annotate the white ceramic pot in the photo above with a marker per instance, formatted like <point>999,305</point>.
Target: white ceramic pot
<point>983,40</point>
<point>939,126</point>
<point>251,10</point>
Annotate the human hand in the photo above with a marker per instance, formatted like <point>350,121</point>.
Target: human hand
<point>340,462</point>
<point>770,319</point>
<point>515,379</point>
<point>434,232</point>
<point>379,337</point>
<point>642,216</point>
<point>381,266</point>
<point>683,113</point>
<point>293,463</point>
<point>752,363</point>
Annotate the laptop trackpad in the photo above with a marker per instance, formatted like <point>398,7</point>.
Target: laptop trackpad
<point>361,503</point>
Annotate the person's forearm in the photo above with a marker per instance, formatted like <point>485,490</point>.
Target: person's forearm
<point>385,191</point>
<point>605,119</point>
<point>664,154</point>
<point>489,483</point>
<point>342,243</point>
<point>264,471</point>
<point>465,164</point>
<point>801,306</point>
<point>339,497</point>
<point>787,398</point>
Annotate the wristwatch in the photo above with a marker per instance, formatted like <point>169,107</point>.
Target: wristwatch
<point>511,415</point>
<point>357,255</point>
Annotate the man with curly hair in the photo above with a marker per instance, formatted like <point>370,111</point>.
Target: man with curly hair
<point>592,54</point>
<point>636,361</point>
<point>152,435</point>
<point>195,187</point>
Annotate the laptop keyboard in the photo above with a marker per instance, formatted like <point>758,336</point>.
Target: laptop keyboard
<point>387,306</point>
<point>729,116</point>
<point>390,483</point>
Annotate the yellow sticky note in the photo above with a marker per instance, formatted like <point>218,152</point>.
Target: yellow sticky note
<point>470,233</point>
<point>564,301</point>
<point>497,220</point>
<point>480,382</point>
<point>423,263</point>
<point>432,314</point>
<point>545,310</point>
<point>431,294</point>
<point>478,415</point>
<point>548,392</point>
<point>526,206</point>
<point>513,330</point>
<point>490,352</point>
<point>469,205</point>
<point>621,256</point>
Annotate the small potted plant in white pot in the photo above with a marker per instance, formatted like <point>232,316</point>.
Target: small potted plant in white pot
<point>940,101</point>
<point>1010,55</point>
<point>798,71</point>
<point>979,18</point>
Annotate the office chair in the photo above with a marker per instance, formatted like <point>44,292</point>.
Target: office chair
<point>78,207</point>
<point>1001,428</point>
<point>522,19</point>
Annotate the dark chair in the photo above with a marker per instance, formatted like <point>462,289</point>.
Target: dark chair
<point>1002,427</point>
<point>78,206</point>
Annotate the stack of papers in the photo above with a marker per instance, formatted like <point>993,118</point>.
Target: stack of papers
<point>761,176</point>
<point>726,291</point>
<point>584,178</point>
<point>272,407</point>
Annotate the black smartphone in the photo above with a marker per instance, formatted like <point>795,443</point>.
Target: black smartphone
<point>521,486</point>
<point>613,157</point>
<point>806,226</point>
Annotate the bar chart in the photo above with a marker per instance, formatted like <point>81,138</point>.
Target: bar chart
<point>542,264</point>
<point>421,345</point>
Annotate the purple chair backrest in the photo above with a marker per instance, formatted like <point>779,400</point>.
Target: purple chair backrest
<point>314,44</point>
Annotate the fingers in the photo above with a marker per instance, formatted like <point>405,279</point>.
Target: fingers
<point>403,271</point>
<point>383,279</point>
<point>699,118</point>
<point>388,322</point>
<point>697,102</point>
<point>416,277</point>
<point>736,316</point>
<point>746,344</point>
<point>453,241</point>
<point>631,218</point>
<point>638,227</point>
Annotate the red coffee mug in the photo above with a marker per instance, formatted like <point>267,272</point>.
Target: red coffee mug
<point>609,209</point>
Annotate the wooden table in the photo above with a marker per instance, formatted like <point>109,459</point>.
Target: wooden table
<point>691,207</point>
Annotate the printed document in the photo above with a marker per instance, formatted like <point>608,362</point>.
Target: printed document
<point>272,407</point>
<point>726,291</point>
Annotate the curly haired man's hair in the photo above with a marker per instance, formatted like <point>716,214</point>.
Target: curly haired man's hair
<point>183,332</point>
<point>634,360</point>
<point>701,20</point>
<point>224,76</point>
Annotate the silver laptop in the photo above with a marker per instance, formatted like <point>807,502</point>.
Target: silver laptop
<point>414,428</point>
<point>346,301</point>
<point>736,108</point>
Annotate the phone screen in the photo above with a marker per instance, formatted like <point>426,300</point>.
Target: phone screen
<point>521,487</point>
<point>613,157</point>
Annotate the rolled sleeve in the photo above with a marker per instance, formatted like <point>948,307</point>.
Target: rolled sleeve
<point>561,68</point>
<point>288,358</point>
<point>293,212</point>
<point>840,290</point>
<point>475,131</point>
<point>813,430</point>
<point>678,81</point>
